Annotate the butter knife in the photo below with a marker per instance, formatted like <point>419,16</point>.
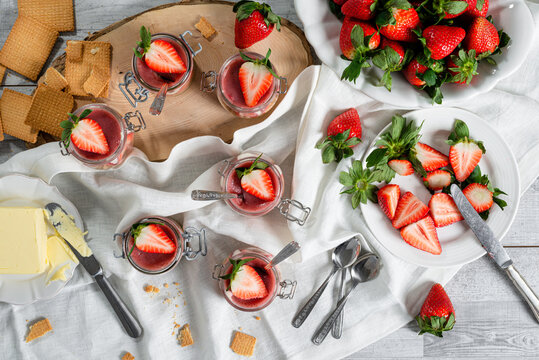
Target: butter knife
<point>62,224</point>
<point>494,248</point>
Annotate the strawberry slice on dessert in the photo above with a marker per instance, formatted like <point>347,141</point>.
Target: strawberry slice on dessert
<point>479,196</point>
<point>423,236</point>
<point>409,209</point>
<point>401,167</point>
<point>443,210</point>
<point>256,181</point>
<point>244,281</point>
<point>86,134</point>
<point>159,55</point>
<point>429,158</point>
<point>388,198</point>
<point>464,152</point>
<point>437,179</point>
<point>152,238</point>
<point>256,77</point>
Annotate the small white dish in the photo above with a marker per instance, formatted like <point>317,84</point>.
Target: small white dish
<point>459,244</point>
<point>322,29</point>
<point>20,190</point>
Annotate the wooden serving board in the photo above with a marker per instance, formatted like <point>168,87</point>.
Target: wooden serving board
<point>193,113</point>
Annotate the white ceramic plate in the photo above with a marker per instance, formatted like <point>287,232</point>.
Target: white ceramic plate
<point>19,190</point>
<point>322,29</point>
<point>459,244</point>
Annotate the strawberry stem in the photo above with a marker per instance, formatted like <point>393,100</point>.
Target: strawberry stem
<point>69,125</point>
<point>264,62</point>
<point>245,8</point>
<point>241,172</point>
<point>236,266</point>
<point>144,45</point>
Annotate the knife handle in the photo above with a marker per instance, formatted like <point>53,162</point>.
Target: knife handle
<point>128,320</point>
<point>525,290</point>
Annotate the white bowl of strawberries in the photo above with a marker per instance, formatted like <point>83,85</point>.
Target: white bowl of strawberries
<point>423,52</point>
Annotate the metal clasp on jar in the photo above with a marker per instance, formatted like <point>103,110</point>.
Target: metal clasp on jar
<point>120,243</point>
<point>189,235</point>
<point>217,272</point>
<point>288,208</point>
<point>134,127</point>
<point>63,148</point>
<point>140,94</point>
<point>283,86</point>
<point>208,81</point>
<point>182,36</point>
<point>291,286</point>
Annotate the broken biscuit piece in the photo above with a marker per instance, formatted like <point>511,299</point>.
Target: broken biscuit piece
<point>97,82</point>
<point>38,329</point>
<point>55,80</point>
<point>185,337</point>
<point>128,356</point>
<point>205,28</point>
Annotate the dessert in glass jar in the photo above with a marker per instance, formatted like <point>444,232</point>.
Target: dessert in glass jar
<point>155,244</point>
<point>98,136</point>
<point>247,84</point>
<point>247,284</point>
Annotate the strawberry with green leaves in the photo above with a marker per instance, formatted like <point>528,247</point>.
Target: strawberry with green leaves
<point>390,59</point>
<point>441,40</point>
<point>462,67</point>
<point>358,183</point>
<point>443,9</point>
<point>464,152</point>
<point>256,181</point>
<point>482,36</point>
<point>359,9</point>
<point>413,69</point>
<point>477,8</point>
<point>151,238</point>
<point>357,40</point>
<point>343,133</point>
<point>86,134</point>
<point>437,313</point>
<point>256,77</point>
<point>244,281</point>
<point>254,22</point>
<point>397,20</point>
<point>159,55</point>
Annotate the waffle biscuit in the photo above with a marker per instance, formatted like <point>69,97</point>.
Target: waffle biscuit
<point>96,84</point>
<point>58,14</point>
<point>14,108</point>
<point>55,80</point>
<point>2,73</point>
<point>38,329</point>
<point>243,344</point>
<point>94,54</point>
<point>205,27</point>
<point>49,108</point>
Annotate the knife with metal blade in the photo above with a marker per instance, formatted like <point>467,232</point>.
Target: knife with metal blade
<point>494,248</point>
<point>67,229</point>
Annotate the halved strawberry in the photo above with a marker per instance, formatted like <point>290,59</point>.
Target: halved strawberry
<point>443,210</point>
<point>256,181</point>
<point>152,238</point>
<point>410,209</point>
<point>244,281</point>
<point>401,167</point>
<point>159,55</point>
<point>423,236</point>
<point>430,158</point>
<point>86,134</point>
<point>388,198</point>
<point>479,196</point>
<point>437,179</point>
<point>464,152</point>
<point>256,77</point>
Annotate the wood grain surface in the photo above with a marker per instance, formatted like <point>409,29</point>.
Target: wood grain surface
<point>492,321</point>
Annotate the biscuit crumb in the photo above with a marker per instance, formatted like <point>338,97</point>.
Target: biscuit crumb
<point>128,356</point>
<point>205,28</point>
<point>185,337</point>
<point>243,344</point>
<point>165,285</point>
<point>38,329</point>
<point>175,283</point>
<point>151,289</point>
<point>257,317</point>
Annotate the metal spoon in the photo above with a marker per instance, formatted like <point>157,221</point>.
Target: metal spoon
<point>159,101</point>
<point>290,249</point>
<point>365,269</point>
<point>205,195</point>
<point>344,255</point>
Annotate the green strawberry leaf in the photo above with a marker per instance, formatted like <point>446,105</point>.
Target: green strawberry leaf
<point>479,4</point>
<point>455,7</point>
<point>336,9</point>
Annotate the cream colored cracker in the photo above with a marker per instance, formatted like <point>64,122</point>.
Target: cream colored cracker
<point>243,344</point>
<point>205,28</point>
<point>49,108</point>
<point>185,337</point>
<point>38,329</point>
<point>14,108</point>
<point>55,80</point>
<point>58,14</point>
<point>94,54</point>
<point>97,82</point>
<point>128,356</point>
<point>28,46</point>
<point>74,50</point>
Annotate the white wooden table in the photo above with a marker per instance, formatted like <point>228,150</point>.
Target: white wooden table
<point>492,321</point>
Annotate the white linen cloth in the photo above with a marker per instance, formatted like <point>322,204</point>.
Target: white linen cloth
<point>85,326</point>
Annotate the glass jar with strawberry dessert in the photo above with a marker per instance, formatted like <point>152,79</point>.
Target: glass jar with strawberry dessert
<point>155,244</point>
<point>98,136</point>
<point>162,64</point>
<point>253,185</point>
<point>247,84</point>
<point>249,283</point>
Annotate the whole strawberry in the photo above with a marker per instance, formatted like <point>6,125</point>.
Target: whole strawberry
<point>392,58</point>
<point>477,8</point>
<point>437,314</point>
<point>405,22</point>
<point>359,9</point>
<point>441,40</point>
<point>254,22</point>
<point>410,72</point>
<point>344,132</point>
<point>482,36</point>
<point>357,39</point>
<point>462,67</point>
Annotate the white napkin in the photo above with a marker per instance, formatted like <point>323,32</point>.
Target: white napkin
<point>86,327</point>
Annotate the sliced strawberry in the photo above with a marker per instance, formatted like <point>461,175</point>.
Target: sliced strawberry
<point>410,209</point>
<point>443,210</point>
<point>258,183</point>
<point>430,158</point>
<point>464,152</point>
<point>247,284</point>
<point>388,198</point>
<point>401,167</point>
<point>152,238</point>
<point>256,77</point>
<point>423,236</point>
<point>437,179</point>
<point>163,58</point>
<point>87,135</point>
<point>479,196</point>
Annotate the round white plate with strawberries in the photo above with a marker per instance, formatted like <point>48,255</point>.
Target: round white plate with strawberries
<point>20,190</point>
<point>458,244</point>
<point>322,29</point>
